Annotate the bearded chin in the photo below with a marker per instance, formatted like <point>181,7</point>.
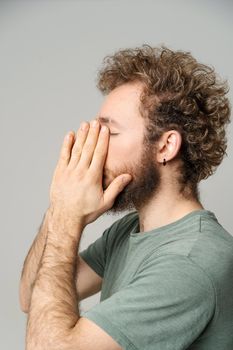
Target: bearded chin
<point>139,191</point>
<point>123,201</point>
<point>123,197</point>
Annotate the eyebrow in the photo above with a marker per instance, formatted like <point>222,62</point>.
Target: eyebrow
<point>108,120</point>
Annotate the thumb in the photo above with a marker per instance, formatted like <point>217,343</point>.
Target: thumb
<point>114,188</point>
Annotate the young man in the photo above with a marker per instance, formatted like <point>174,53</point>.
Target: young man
<point>165,268</point>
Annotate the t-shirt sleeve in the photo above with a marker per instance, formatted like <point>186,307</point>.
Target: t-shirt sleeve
<point>98,253</point>
<point>95,254</point>
<point>167,305</point>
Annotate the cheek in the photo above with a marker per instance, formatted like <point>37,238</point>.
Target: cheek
<point>121,150</point>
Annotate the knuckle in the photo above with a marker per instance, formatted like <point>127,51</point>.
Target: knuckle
<point>81,175</point>
<point>64,156</point>
<point>99,152</point>
<point>76,151</point>
<point>87,148</point>
<point>94,174</point>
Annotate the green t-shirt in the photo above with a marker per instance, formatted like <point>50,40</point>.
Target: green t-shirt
<point>170,288</point>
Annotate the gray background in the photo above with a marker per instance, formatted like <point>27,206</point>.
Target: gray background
<point>50,52</point>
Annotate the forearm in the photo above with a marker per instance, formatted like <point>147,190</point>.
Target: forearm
<point>54,308</point>
<point>31,264</point>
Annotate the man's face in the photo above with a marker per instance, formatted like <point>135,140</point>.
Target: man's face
<point>126,152</point>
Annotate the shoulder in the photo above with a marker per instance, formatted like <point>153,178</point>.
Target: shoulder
<point>179,274</point>
<point>213,243</point>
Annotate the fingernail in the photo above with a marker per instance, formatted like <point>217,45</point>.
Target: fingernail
<point>84,126</point>
<point>94,123</point>
<point>104,128</point>
<point>126,179</point>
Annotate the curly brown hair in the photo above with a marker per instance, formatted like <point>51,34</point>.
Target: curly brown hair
<point>178,93</point>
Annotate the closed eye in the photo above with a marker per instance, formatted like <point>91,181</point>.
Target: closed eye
<point>114,134</point>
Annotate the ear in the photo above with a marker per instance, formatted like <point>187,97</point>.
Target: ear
<point>168,145</point>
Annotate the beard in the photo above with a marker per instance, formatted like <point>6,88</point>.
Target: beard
<point>144,184</point>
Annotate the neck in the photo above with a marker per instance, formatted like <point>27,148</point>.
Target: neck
<point>166,207</point>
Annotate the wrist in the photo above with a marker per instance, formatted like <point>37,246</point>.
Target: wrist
<point>61,223</point>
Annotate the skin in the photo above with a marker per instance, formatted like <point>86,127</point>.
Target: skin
<point>77,198</point>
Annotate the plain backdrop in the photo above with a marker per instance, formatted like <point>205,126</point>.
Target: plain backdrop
<point>50,52</point>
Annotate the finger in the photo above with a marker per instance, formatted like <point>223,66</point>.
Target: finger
<point>100,152</point>
<point>64,156</point>
<point>90,144</point>
<point>76,152</point>
<point>117,185</point>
